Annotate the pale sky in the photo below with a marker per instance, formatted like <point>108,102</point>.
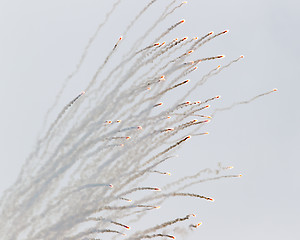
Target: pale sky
<point>41,43</point>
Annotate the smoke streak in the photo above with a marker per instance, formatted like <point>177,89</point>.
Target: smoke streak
<point>243,102</point>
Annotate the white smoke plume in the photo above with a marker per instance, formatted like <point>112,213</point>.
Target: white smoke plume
<point>84,178</point>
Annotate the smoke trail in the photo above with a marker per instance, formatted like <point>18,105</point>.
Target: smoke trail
<point>164,225</point>
<point>138,16</point>
<point>243,102</point>
<point>81,60</point>
<point>156,235</point>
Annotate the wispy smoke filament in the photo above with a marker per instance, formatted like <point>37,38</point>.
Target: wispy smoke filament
<point>120,224</point>
<point>125,207</point>
<point>125,199</point>
<point>156,235</point>
<point>140,189</point>
<point>167,150</point>
<point>81,60</point>
<point>169,30</point>
<point>166,224</point>
<point>103,219</point>
<point>109,231</point>
<point>192,195</point>
<point>243,102</point>
<point>159,172</point>
<point>138,16</point>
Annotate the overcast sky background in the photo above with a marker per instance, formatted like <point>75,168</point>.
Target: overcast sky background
<point>41,42</point>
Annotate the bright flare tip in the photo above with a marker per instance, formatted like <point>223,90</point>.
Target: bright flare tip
<point>182,21</point>
<point>275,90</point>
